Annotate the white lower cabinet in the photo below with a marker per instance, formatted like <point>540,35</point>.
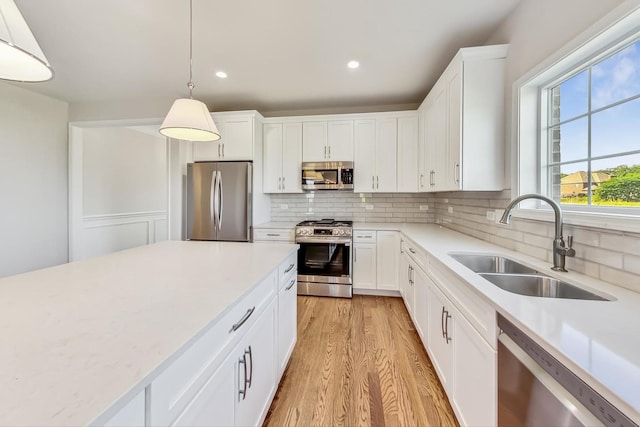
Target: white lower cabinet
<point>255,371</point>
<point>464,362</point>
<point>364,266</point>
<point>439,341</point>
<point>474,377</point>
<point>421,285</point>
<point>214,404</point>
<point>376,260</point>
<point>287,320</point>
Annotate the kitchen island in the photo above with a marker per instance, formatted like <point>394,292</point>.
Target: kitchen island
<point>81,340</point>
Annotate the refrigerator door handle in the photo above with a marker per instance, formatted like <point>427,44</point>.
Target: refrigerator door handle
<point>213,197</point>
<point>221,200</point>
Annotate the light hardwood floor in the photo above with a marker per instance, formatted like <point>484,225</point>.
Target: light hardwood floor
<point>358,362</point>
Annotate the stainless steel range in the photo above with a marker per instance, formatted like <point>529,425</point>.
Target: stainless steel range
<point>324,258</point>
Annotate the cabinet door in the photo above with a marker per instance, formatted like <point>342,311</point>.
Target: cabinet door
<point>255,370</point>
<point>454,120</point>
<point>314,142</point>
<point>365,156</point>
<point>364,266</point>
<point>388,250</point>
<point>386,155</point>
<point>440,349</point>
<point>287,323</point>
<point>474,375</point>
<point>436,142</point>
<point>207,150</point>
<point>423,167</point>
<point>420,303</point>
<point>340,141</point>
<point>292,158</point>
<point>272,155</point>
<point>237,139</point>
<point>213,405</point>
<point>408,155</point>
<point>404,274</point>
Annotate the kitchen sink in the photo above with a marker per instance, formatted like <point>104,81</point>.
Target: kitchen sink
<point>517,278</point>
<point>492,264</point>
<point>535,285</point>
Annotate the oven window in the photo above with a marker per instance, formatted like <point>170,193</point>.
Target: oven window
<point>324,259</point>
<point>316,177</point>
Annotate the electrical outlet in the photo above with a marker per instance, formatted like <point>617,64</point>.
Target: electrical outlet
<point>491,215</point>
<point>368,207</point>
<point>284,207</point>
<point>424,207</point>
<point>450,209</point>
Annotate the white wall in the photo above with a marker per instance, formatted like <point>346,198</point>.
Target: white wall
<point>118,188</point>
<point>33,180</point>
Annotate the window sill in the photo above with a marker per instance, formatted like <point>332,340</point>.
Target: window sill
<point>609,222</point>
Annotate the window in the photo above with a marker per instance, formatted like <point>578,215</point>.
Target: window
<point>590,144</point>
<point>577,127</point>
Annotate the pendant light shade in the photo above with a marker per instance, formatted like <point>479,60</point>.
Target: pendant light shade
<point>190,120</point>
<point>21,58</point>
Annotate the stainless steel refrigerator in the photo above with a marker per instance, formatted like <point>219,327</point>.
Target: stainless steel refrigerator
<point>219,198</point>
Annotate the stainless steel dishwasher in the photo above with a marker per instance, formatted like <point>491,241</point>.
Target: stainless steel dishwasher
<point>535,389</point>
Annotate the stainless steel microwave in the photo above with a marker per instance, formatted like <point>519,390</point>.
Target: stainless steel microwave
<point>327,175</point>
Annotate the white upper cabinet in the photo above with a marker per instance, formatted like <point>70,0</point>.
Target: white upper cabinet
<point>237,139</point>
<point>408,155</point>
<point>463,124</point>
<point>314,141</point>
<point>375,155</point>
<point>282,151</point>
<point>325,141</point>
<point>386,155</point>
<point>364,173</point>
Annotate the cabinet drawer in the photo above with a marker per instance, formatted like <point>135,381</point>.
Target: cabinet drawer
<point>415,252</point>
<point>273,235</point>
<point>174,388</point>
<point>364,236</point>
<point>479,313</point>
<point>287,269</point>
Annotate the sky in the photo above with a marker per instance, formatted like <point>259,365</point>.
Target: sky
<point>613,130</point>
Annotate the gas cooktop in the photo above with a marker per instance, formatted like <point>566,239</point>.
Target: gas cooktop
<point>326,222</point>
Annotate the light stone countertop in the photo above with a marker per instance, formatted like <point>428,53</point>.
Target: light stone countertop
<point>598,340</point>
<point>79,337</point>
<point>274,224</point>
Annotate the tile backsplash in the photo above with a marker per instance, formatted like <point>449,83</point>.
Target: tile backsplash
<point>611,256</point>
<point>360,207</point>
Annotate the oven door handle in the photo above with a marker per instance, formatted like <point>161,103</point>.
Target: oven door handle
<point>337,240</point>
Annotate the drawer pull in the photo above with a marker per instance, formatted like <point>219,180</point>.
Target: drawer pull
<point>289,268</point>
<point>243,361</point>
<point>246,316</point>
<point>293,282</point>
<point>273,234</point>
<point>412,251</point>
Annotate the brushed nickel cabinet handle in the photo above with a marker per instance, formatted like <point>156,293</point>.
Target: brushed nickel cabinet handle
<point>293,282</point>
<point>289,268</point>
<point>244,318</point>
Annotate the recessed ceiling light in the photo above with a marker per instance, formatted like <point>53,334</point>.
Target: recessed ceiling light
<point>221,74</point>
<point>353,64</point>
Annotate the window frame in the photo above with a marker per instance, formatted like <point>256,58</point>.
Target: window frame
<point>530,120</point>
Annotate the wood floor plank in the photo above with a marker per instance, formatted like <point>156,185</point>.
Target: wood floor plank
<point>358,362</point>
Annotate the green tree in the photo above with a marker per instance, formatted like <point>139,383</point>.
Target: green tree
<point>625,188</point>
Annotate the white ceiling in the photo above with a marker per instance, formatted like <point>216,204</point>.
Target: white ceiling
<point>280,55</point>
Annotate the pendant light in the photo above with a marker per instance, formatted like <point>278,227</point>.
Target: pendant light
<point>189,119</point>
<point>21,59</point>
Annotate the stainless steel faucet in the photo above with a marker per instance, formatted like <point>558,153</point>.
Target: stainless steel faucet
<point>560,251</point>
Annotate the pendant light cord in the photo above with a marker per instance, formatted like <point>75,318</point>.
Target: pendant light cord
<point>190,85</point>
